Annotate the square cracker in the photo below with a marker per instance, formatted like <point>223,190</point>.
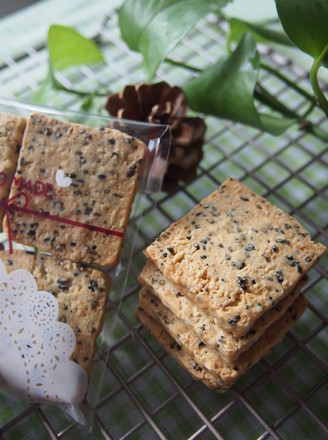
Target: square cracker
<point>235,253</point>
<point>204,363</point>
<point>11,136</point>
<point>206,327</point>
<point>100,167</point>
<point>80,291</point>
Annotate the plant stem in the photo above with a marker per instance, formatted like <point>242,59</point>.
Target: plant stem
<point>183,65</point>
<point>315,83</point>
<point>266,98</point>
<point>60,86</point>
<point>287,81</point>
<point>316,131</point>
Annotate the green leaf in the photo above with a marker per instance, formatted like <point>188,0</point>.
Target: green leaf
<point>134,16</point>
<point>261,33</point>
<point>68,48</point>
<point>226,90</point>
<point>87,103</point>
<point>41,94</point>
<point>154,27</point>
<point>306,24</point>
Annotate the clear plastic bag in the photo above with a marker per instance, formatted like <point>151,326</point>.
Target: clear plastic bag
<point>39,343</point>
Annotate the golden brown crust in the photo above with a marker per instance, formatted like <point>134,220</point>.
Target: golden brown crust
<point>204,326</point>
<point>102,167</point>
<point>234,254</point>
<point>177,352</point>
<point>11,136</point>
<point>210,359</point>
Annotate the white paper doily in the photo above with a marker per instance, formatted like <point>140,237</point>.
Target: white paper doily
<point>35,347</point>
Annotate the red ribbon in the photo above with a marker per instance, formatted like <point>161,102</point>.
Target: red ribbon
<point>8,205</point>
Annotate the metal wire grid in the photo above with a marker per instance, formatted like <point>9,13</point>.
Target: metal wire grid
<point>145,394</point>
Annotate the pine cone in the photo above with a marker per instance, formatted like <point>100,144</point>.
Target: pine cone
<point>161,104</point>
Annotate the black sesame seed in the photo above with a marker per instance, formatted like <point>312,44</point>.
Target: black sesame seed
<point>196,367</point>
<point>279,276</point>
<point>244,198</point>
<point>283,241</point>
<point>250,247</point>
<point>308,259</point>
<point>299,268</point>
<point>242,281</point>
<point>93,285</point>
<point>101,176</point>
<point>131,171</point>
<point>274,248</point>
<point>234,320</point>
<point>63,284</point>
<point>240,265</point>
<point>251,332</point>
<point>179,294</point>
<point>94,304</point>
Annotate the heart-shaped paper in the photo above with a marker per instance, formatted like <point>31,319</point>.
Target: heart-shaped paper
<point>61,180</point>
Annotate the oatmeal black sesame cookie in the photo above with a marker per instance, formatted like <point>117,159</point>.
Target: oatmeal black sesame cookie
<point>80,291</point>
<point>210,359</point>
<point>234,254</point>
<point>178,352</point>
<point>206,327</point>
<point>11,136</point>
<point>80,174</point>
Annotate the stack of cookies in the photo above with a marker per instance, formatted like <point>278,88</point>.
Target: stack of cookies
<point>221,286</point>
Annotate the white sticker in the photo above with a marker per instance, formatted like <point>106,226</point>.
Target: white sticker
<point>61,180</point>
<point>34,347</point>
